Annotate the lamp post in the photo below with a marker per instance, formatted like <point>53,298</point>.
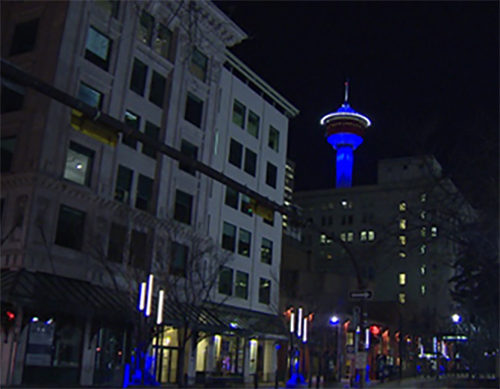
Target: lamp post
<point>335,321</point>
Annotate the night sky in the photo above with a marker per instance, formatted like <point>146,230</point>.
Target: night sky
<point>425,73</point>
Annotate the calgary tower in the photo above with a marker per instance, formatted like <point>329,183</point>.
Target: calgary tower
<point>345,129</point>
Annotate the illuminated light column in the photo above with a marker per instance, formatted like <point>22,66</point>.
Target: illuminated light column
<point>345,130</point>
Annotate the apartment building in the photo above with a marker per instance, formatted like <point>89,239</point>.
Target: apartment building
<point>87,215</point>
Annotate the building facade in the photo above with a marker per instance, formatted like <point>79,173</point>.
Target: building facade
<point>87,215</point>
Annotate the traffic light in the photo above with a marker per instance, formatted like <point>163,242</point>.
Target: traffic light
<point>8,318</point>
<point>91,128</point>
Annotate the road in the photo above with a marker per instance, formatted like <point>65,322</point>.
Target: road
<point>445,383</point>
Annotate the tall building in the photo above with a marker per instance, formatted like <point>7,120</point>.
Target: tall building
<point>345,129</point>
<point>399,230</point>
<point>87,215</point>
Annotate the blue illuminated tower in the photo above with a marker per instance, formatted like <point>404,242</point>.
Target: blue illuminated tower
<point>345,130</point>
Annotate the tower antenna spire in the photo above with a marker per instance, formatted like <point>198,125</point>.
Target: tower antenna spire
<point>346,91</point>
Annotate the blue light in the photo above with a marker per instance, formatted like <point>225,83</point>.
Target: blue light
<point>342,139</point>
<point>344,144</point>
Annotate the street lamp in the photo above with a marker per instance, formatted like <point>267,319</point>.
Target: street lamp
<point>456,318</point>
<point>298,330</point>
<point>335,321</point>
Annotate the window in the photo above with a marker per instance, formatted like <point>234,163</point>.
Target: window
<point>235,153</point>
<point>98,48</point>
<point>250,162</point>
<point>253,124</point>
<point>190,150</point>
<point>423,197</point>
<point>322,239</point>
<point>144,193</point>
<point>371,235</point>
<point>402,206</point>
<point>402,224</point>
<point>145,30</point>
<point>7,153</point>
<point>183,207</point>
<point>241,285</point>
<point>343,203</point>
<point>199,64</point>
<point>246,205</point>
<point>422,215</point>
<point>264,291</point>
<point>117,241</point>
<point>271,175</point>
<point>134,121</point>
<point>157,89</point>
<point>124,184</point>
<point>138,255</point>
<point>229,237</point>
<point>239,113</point>
<point>363,236</point>
<point>194,110</point>
<point>244,242</point>
<point>402,297</point>
<point>423,249</point>
<point>138,78</point>
<point>402,254</point>
<point>178,266</point>
<point>402,279</point>
<point>70,228</point>
<point>343,236</point>
<point>434,231</point>
<point>90,95</point>
<point>423,268</point>
<point>266,251</point>
<point>110,6</point>
<point>79,161</point>
<point>163,41</point>
<point>274,138</point>
<point>226,281</point>
<point>153,131</point>
<point>232,197</point>
<point>24,37</point>
<point>350,236</point>
<point>423,232</point>
<point>422,289</point>
<point>12,97</point>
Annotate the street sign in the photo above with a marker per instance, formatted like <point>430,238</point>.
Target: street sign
<point>360,294</point>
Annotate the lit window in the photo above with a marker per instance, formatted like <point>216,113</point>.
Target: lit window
<point>246,205</point>
<point>423,197</point>
<point>199,65</point>
<point>402,254</point>
<point>90,95</point>
<point>350,236</point>
<point>163,41</point>
<point>423,249</point>
<point>422,289</point>
<point>343,236</point>
<point>145,30</point>
<point>322,239</point>
<point>423,232</point>
<point>422,215</point>
<point>266,251</point>
<point>402,240</point>
<point>97,48</point>
<point>329,256</point>
<point>402,206</point>
<point>344,204</point>
<point>434,231</point>
<point>244,242</point>
<point>274,138</point>
<point>402,297</point>
<point>371,235</point>
<point>79,161</point>
<point>134,121</point>
<point>241,285</point>
<point>423,269</point>
<point>402,279</point>
<point>402,224</point>
<point>328,241</point>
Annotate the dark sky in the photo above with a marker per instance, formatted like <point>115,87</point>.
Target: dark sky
<point>415,68</point>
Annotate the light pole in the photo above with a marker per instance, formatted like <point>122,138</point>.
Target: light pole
<point>335,321</point>
<point>299,333</point>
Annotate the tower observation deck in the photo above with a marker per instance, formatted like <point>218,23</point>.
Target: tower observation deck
<point>345,129</point>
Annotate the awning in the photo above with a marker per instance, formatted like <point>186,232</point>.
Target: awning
<point>48,291</point>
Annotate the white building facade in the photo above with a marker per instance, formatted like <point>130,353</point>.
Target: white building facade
<point>82,208</point>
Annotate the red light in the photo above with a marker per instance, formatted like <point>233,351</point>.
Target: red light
<point>98,349</point>
<point>375,330</point>
<point>11,315</point>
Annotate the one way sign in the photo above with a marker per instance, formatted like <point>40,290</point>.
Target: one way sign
<point>360,294</point>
